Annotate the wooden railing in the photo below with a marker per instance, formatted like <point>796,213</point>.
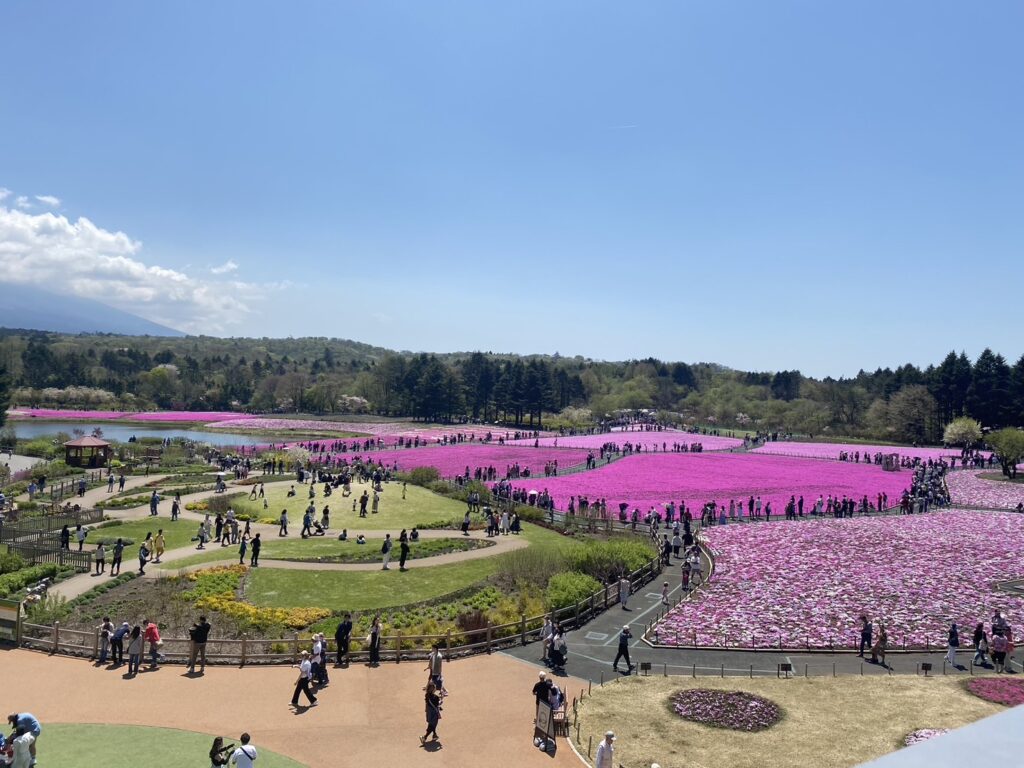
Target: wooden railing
<point>39,525</point>
<point>39,552</point>
<point>398,647</point>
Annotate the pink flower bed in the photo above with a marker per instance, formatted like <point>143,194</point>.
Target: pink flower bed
<point>389,431</point>
<point>968,487</point>
<point>452,460</point>
<point>651,480</point>
<point>190,416</point>
<point>807,582</point>
<point>1000,690</point>
<point>923,734</point>
<point>648,441</point>
<point>832,450</point>
<point>47,413</point>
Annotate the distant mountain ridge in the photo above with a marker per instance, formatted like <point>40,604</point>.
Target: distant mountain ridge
<point>30,308</point>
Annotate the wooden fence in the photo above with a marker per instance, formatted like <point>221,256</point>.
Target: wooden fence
<point>38,552</point>
<point>398,647</point>
<point>40,525</point>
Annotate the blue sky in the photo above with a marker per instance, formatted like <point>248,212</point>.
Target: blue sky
<point>808,185</point>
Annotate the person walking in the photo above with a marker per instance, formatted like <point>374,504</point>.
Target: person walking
<point>605,757</point>
<point>245,756</point>
<point>116,555</point>
<point>283,523</point>
<point>198,634</point>
<point>343,638</point>
<point>624,637</point>
<point>159,544</point>
<point>319,659</point>
<point>100,556</point>
<point>302,683</point>
<point>952,643</point>
<point>403,550</point>
<point>243,544</point>
<point>866,632</point>
<point>624,587</point>
<point>880,647</point>
<point>143,558</point>
<point>65,539</point>
<point>980,640</point>
<point>134,650</point>
<point>385,549</point>
<point>433,711</point>
<point>434,667</point>
<point>254,560</point>
<point>80,534</point>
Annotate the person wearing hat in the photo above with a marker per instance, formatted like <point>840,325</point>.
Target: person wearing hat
<point>26,723</point>
<point>605,757</point>
<point>302,684</point>
<point>624,637</point>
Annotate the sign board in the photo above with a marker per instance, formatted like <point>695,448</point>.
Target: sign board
<point>10,620</point>
<point>544,728</point>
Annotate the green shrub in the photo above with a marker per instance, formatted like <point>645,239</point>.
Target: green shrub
<point>48,610</point>
<point>529,566</point>
<point>223,502</point>
<point>424,476</point>
<point>10,562</point>
<point>608,560</point>
<point>18,580</point>
<point>40,447</point>
<point>568,588</point>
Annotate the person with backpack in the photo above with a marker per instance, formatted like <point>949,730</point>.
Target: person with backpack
<point>624,637</point>
<point>385,549</point>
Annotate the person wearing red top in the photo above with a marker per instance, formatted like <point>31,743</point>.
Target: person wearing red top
<point>152,636</point>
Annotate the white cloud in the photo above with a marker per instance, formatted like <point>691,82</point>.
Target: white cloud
<point>4,193</point>
<point>48,200</point>
<point>223,269</point>
<point>83,259</point>
<point>22,202</point>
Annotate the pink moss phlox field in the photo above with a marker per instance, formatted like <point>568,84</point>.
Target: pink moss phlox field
<point>452,460</point>
<point>807,582</point>
<point>832,450</point>
<point>923,734</point>
<point>651,480</point>
<point>735,710</point>
<point>173,416</point>
<point>1008,691</point>
<point>48,414</point>
<point>649,441</point>
<point>968,487</point>
<point>389,432</point>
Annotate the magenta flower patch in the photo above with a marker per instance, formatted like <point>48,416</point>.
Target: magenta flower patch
<point>999,690</point>
<point>805,583</point>
<point>452,460</point>
<point>642,441</point>
<point>735,710</point>
<point>832,450</point>
<point>968,487</point>
<point>923,734</point>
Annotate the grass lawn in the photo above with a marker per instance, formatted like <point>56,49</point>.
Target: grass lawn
<point>999,477</point>
<point>827,722</point>
<point>177,534</point>
<point>366,590</point>
<point>419,508</point>
<point>118,746</point>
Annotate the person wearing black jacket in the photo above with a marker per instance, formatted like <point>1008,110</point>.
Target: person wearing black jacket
<point>198,634</point>
<point>341,636</point>
<point>255,544</point>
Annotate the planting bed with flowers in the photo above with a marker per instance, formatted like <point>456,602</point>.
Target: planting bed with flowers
<point>923,734</point>
<point>646,441</point>
<point>1008,691</point>
<point>970,488</point>
<point>651,480</point>
<point>832,450</point>
<point>805,583</point>
<point>735,710</point>
<point>452,460</point>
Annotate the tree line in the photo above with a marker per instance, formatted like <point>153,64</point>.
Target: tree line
<point>330,376</point>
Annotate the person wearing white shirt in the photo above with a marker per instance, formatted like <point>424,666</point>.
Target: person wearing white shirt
<point>23,749</point>
<point>606,752</point>
<point>245,756</point>
<point>302,684</point>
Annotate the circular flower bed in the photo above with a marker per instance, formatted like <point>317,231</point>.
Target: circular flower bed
<point>735,710</point>
<point>1000,690</point>
<point>923,734</point>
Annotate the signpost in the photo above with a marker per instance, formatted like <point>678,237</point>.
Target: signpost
<point>10,622</point>
<point>544,729</point>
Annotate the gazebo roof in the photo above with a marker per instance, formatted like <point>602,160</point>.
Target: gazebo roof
<point>87,442</point>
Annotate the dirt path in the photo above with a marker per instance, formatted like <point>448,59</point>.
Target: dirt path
<point>366,717</point>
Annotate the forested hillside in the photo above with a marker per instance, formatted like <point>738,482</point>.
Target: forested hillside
<point>325,376</point>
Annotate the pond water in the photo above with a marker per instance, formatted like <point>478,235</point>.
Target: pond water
<point>121,432</point>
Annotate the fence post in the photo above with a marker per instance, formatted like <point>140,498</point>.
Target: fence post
<point>592,611</point>
<point>96,645</point>
<point>398,647</point>
<point>522,628</point>
<point>488,636</point>
<point>295,646</point>
<point>606,597</point>
<point>448,644</point>
<point>56,636</point>
<point>245,648</point>
<point>577,615</point>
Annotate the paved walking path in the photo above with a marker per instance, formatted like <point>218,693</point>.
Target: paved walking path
<point>366,717</point>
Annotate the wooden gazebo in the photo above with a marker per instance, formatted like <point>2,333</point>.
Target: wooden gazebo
<point>87,451</point>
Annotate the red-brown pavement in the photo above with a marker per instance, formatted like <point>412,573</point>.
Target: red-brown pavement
<point>365,717</point>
